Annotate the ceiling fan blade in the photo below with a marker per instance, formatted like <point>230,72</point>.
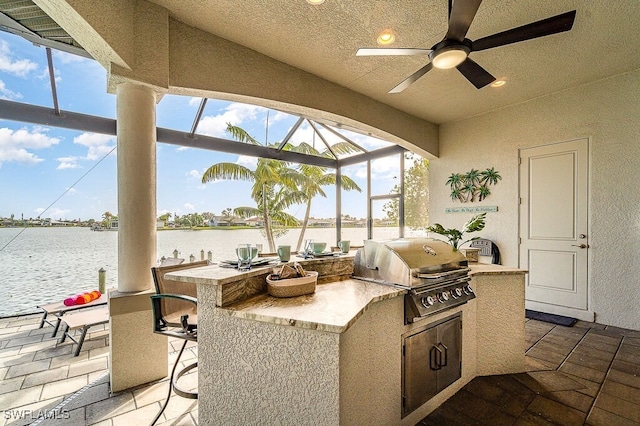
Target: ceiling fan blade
<point>411,79</point>
<point>473,72</point>
<point>402,51</point>
<point>461,14</point>
<point>553,25</point>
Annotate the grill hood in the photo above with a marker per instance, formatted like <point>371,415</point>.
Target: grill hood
<point>406,262</point>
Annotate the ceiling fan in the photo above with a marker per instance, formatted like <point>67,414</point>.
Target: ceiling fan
<point>454,49</point>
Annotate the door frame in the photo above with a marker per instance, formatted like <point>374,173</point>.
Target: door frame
<point>586,314</point>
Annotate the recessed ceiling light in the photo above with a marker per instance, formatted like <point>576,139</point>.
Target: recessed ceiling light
<point>315,2</point>
<point>386,37</point>
<point>499,83</point>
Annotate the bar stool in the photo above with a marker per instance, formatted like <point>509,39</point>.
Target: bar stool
<point>175,314</point>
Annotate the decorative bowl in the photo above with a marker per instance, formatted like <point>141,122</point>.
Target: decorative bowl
<point>292,287</point>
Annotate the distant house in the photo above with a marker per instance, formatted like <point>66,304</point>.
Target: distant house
<point>321,223</point>
<point>59,223</point>
<point>225,221</point>
<point>254,221</point>
<point>160,224</point>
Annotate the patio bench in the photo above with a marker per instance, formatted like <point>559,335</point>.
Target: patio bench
<point>58,309</point>
<point>84,321</point>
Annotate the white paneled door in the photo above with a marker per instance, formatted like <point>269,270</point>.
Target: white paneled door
<point>554,237</point>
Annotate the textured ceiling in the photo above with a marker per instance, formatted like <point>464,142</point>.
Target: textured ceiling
<point>323,40</point>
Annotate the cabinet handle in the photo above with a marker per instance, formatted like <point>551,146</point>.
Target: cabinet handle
<point>446,353</point>
<point>435,358</point>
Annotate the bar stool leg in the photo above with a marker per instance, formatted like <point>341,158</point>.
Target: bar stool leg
<point>173,371</point>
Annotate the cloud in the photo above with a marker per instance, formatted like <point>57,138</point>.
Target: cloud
<point>15,144</point>
<point>235,114</point>
<point>67,163</point>
<point>195,101</point>
<point>385,168</point>
<point>189,207</point>
<point>381,169</point>
<point>194,174</point>
<point>278,116</point>
<point>8,64</point>
<point>53,213</point>
<point>69,58</point>
<point>44,75</point>
<point>99,145</point>
<point>367,142</point>
<point>8,94</point>
<point>249,162</point>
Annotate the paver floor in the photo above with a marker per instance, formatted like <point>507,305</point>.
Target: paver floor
<point>585,374</point>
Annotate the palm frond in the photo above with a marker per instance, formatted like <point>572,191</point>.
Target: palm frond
<point>304,148</point>
<point>247,211</point>
<point>285,219</point>
<point>241,135</point>
<point>344,147</point>
<point>223,171</point>
<point>349,184</point>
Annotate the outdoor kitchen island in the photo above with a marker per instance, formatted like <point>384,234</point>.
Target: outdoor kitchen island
<point>335,357</point>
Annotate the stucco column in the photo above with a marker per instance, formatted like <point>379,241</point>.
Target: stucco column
<point>136,114</point>
<point>136,354</point>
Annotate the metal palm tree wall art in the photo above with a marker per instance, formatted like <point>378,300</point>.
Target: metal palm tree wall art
<point>473,185</point>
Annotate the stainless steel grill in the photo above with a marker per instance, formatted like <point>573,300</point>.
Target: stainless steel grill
<point>436,277</point>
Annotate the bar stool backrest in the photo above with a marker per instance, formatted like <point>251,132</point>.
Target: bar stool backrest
<point>172,308</point>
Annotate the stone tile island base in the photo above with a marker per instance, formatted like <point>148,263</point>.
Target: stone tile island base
<point>335,357</point>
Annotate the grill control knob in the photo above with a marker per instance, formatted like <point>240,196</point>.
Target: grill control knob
<point>443,297</point>
<point>456,292</point>
<point>427,301</point>
<point>467,289</point>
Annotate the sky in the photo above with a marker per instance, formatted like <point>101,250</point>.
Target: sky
<point>64,174</point>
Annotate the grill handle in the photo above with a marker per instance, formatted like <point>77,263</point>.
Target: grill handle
<point>440,275</point>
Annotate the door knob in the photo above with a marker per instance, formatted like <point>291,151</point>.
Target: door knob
<point>582,246</point>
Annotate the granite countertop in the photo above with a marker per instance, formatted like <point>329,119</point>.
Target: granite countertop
<point>217,275</point>
<point>334,307</point>
<point>490,269</point>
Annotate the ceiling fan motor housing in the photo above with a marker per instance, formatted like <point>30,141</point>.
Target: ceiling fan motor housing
<point>450,53</point>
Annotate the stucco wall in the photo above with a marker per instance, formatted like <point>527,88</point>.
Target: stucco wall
<point>608,113</point>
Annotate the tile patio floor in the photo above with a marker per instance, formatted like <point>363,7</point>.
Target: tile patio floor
<point>586,374</point>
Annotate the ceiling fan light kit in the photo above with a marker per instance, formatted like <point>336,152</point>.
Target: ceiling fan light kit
<point>446,54</point>
<point>453,51</point>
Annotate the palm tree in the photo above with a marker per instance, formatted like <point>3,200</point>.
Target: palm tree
<point>107,217</point>
<point>483,192</point>
<point>456,181</point>
<point>489,177</point>
<point>275,186</point>
<point>472,176</point>
<point>227,214</point>
<point>318,177</point>
<point>470,189</point>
